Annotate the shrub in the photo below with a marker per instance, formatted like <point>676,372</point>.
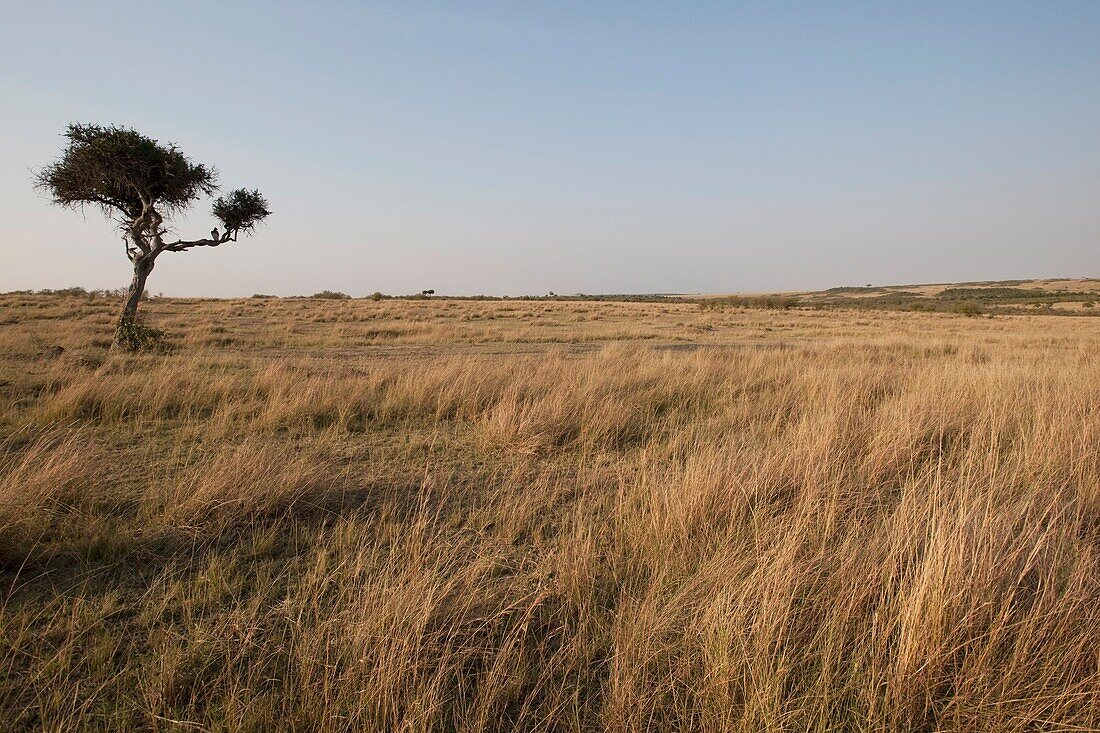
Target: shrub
<point>133,334</point>
<point>764,302</point>
<point>968,308</point>
<point>76,292</point>
<point>331,295</point>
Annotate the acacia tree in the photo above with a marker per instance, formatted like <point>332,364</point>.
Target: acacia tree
<point>140,184</point>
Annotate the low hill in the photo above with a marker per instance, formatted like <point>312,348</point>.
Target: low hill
<point>1064,296</point>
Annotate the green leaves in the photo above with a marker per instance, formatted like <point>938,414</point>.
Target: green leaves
<point>122,171</point>
<point>241,210</point>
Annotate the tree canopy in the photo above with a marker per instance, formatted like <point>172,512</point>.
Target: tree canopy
<point>241,210</point>
<point>122,172</point>
<point>137,180</point>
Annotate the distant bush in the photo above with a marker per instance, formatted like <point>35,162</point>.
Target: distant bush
<point>1014,296</point>
<point>991,293</point>
<point>968,308</point>
<point>79,292</point>
<point>264,295</point>
<point>331,295</point>
<point>853,289</point>
<point>764,302</point>
<point>377,295</point>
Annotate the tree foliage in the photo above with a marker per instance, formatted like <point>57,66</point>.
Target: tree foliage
<point>140,182</point>
<point>241,210</point>
<point>122,172</point>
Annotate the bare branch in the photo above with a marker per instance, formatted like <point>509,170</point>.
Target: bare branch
<point>132,252</point>
<point>181,245</point>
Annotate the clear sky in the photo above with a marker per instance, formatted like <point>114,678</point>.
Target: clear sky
<point>597,147</point>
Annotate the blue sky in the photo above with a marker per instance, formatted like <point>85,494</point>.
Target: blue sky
<point>512,148</point>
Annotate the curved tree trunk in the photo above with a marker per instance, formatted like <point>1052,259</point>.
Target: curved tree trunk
<point>142,267</point>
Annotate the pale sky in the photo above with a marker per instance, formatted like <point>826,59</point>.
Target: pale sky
<point>597,147</point>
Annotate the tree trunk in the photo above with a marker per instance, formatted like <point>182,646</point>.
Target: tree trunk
<point>142,267</point>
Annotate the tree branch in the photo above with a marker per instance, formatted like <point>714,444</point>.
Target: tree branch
<point>181,245</point>
<point>131,252</point>
<point>138,231</point>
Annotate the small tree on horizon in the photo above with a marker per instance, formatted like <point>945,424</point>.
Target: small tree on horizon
<point>140,184</point>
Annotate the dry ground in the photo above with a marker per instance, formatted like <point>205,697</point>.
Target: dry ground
<point>577,516</point>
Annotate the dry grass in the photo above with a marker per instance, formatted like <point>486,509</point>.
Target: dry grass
<point>466,516</point>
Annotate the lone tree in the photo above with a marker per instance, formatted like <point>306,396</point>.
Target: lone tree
<point>140,184</point>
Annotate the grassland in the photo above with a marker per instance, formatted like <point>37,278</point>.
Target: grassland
<point>448,515</point>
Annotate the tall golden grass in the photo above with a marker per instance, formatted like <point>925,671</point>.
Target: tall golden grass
<point>843,523</point>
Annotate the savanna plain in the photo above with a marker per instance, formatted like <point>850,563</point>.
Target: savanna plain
<point>545,515</point>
